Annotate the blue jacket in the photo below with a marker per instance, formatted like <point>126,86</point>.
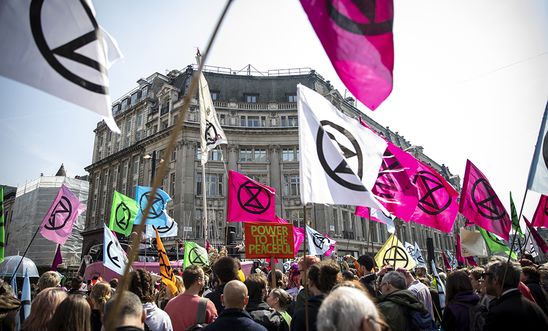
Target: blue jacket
<point>232,319</point>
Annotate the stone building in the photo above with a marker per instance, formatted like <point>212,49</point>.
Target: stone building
<point>258,112</point>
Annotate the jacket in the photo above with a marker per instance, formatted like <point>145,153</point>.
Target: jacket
<point>513,312</point>
<point>456,315</point>
<point>215,297</point>
<point>539,294</point>
<point>298,321</point>
<point>395,307</point>
<point>369,282</point>
<point>264,315</point>
<point>232,319</point>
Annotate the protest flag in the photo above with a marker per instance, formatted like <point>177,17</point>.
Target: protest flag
<point>168,277</point>
<point>25,298</point>
<point>2,225</point>
<point>377,216</point>
<point>170,230</point>
<point>211,132</point>
<point>157,214</point>
<point>298,235</point>
<point>195,255</point>
<point>394,253</point>
<point>438,283</point>
<point>57,259</point>
<point>538,238</point>
<point>249,200</point>
<point>495,244</point>
<point>446,261</point>
<point>319,244</point>
<point>418,256</point>
<point>59,220</point>
<point>480,204</point>
<point>122,214</point>
<point>339,158</point>
<point>538,173</point>
<point>460,259</point>
<point>58,47</point>
<point>530,246</point>
<point>114,256</point>
<point>472,243</point>
<point>514,215</point>
<point>357,37</point>
<point>540,219</point>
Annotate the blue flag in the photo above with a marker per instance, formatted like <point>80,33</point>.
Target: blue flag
<point>157,214</point>
<point>25,298</point>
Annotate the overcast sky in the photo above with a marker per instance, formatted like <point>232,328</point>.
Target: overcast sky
<point>470,78</point>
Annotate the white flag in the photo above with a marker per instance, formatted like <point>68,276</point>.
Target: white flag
<point>472,244</point>
<point>530,246</point>
<point>319,244</point>
<point>538,173</point>
<point>114,256</point>
<point>169,230</point>
<point>339,158</point>
<point>387,219</point>
<point>418,256</point>
<point>58,47</point>
<point>211,132</point>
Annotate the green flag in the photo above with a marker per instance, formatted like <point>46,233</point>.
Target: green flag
<point>2,235</point>
<point>123,212</point>
<point>515,219</point>
<point>495,244</point>
<point>195,254</point>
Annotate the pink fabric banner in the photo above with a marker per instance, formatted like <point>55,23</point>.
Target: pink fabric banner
<point>359,42</point>
<point>540,219</point>
<point>59,220</point>
<point>58,259</point>
<point>471,261</point>
<point>480,204</point>
<point>437,205</point>
<point>537,237</point>
<point>298,235</point>
<point>248,200</point>
<point>460,258</point>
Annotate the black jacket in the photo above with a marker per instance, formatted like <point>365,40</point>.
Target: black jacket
<point>232,319</point>
<point>215,297</point>
<point>298,320</point>
<point>369,282</point>
<point>514,312</point>
<point>539,294</point>
<point>264,315</point>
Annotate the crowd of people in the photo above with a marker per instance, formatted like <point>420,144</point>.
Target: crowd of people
<point>312,294</point>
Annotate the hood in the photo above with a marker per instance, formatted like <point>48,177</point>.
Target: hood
<point>404,298</point>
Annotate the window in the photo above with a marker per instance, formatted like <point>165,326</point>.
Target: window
<point>215,155</point>
<point>290,154</point>
<point>214,184</point>
<point>251,98</point>
<point>134,98</point>
<point>164,108</point>
<point>222,119</point>
<point>125,103</point>
<point>174,155</point>
<point>291,185</point>
<point>139,120</point>
<point>116,108</point>
<point>144,93</point>
<point>128,126</point>
<point>172,184</point>
<point>259,155</point>
<point>289,121</point>
<point>252,155</point>
<point>253,121</point>
<point>291,98</point>
<point>246,155</point>
<point>214,95</point>
<point>295,215</point>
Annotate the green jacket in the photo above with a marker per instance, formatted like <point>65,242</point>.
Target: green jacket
<point>394,307</point>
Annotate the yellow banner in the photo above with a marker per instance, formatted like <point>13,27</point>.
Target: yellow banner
<point>166,272</point>
<point>394,253</point>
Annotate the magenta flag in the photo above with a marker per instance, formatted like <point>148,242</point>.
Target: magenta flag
<point>357,37</point>
<point>480,204</point>
<point>446,262</point>
<point>248,200</point>
<point>59,220</point>
<point>540,219</point>
<point>298,234</point>
<point>460,258</point>
<point>437,207</point>
<point>471,261</point>
<point>538,238</point>
<point>58,259</point>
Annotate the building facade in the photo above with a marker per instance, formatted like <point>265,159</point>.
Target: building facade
<point>258,113</point>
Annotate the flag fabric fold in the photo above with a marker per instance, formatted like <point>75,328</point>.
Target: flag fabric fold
<point>495,244</point>
<point>472,243</point>
<point>122,214</point>
<point>358,39</point>
<point>114,256</point>
<point>537,237</point>
<point>59,220</point>
<point>538,173</point>
<point>418,256</point>
<point>339,158</point>
<point>460,259</point>
<point>515,219</point>
<point>393,252</point>
<point>57,259</point>
<point>157,214</point>
<point>249,200</point>
<point>195,255</point>
<point>480,204</point>
<point>168,277</point>
<point>170,230</point>
<point>377,216</point>
<point>540,219</point>
<point>58,47</point>
<point>298,235</point>
<point>319,244</point>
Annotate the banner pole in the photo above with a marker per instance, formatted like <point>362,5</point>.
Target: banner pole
<point>305,271</point>
<point>204,202</point>
<point>25,253</point>
<point>273,271</point>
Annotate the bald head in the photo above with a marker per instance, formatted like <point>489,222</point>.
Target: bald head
<point>235,295</point>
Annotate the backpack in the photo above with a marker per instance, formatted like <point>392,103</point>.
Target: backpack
<point>419,321</point>
<point>200,316</point>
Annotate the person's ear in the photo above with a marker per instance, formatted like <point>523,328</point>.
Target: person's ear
<point>223,299</point>
<point>246,300</point>
<point>143,316</point>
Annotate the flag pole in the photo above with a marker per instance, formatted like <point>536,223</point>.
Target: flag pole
<point>25,253</point>
<point>305,271</point>
<point>175,131</point>
<point>204,201</point>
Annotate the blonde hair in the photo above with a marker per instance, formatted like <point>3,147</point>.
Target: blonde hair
<point>49,279</point>
<point>179,284</point>
<point>100,294</point>
<point>43,307</point>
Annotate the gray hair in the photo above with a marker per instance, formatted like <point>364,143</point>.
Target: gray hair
<point>130,305</point>
<point>345,309</point>
<point>497,267</point>
<point>395,279</point>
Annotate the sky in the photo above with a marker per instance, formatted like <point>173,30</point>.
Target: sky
<point>470,79</point>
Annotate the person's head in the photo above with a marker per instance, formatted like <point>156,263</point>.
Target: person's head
<point>324,276</point>
<point>420,271</point>
<point>193,278</point>
<point>367,264</point>
<point>279,299</point>
<point>180,284</point>
<point>407,275</point>
<point>43,307</point>
<point>140,283</point>
<point>9,306</point>
<point>76,282</point>
<point>476,279</point>
<point>353,284</point>
<point>348,309</point>
<point>256,287</point>
<point>130,311</point>
<point>225,269</point>
<point>391,282</point>
<point>279,278</point>
<point>235,295</point>
<point>72,314</point>
<point>495,274</point>
<point>49,279</point>
<point>99,295</point>
<point>457,282</point>
<point>530,274</point>
<point>305,263</point>
<point>543,271</point>
<point>348,275</point>
<point>113,283</point>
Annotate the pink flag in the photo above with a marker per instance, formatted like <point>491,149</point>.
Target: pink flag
<point>437,205</point>
<point>298,234</point>
<point>58,259</point>
<point>540,219</point>
<point>480,204</point>
<point>248,200</point>
<point>471,261</point>
<point>446,262</point>
<point>538,238</point>
<point>460,258</point>
<point>57,224</point>
<point>357,37</point>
